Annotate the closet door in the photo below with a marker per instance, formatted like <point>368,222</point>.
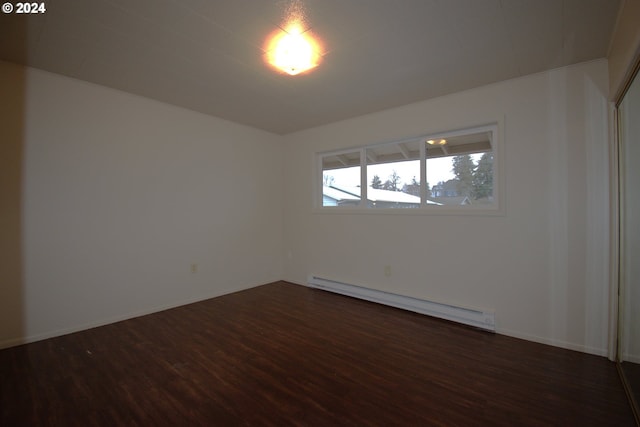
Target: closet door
<point>629,308</point>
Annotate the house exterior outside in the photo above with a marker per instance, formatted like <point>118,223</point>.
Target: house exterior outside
<point>378,198</point>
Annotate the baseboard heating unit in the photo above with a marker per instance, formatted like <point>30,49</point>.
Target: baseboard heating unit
<point>482,319</point>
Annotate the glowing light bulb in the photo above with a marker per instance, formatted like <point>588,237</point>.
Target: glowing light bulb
<point>440,142</point>
<point>293,51</point>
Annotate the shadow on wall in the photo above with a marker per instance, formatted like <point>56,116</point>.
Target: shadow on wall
<point>12,107</point>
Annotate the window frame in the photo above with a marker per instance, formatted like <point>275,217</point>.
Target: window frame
<point>495,208</point>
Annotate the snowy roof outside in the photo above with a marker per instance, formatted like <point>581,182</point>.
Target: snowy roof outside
<point>373,195</point>
<point>379,195</point>
<point>336,194</point>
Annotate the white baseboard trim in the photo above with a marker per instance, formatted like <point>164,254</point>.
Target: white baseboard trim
<point>13,342</point>
<point>554,342</point>
<point>633,358</point>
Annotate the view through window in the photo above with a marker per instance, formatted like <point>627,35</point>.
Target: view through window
<point>455,170</point>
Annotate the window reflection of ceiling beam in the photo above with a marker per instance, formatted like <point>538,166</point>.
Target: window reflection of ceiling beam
<point>343,159</point>
<point>372,156</point>
<point>404,150</point>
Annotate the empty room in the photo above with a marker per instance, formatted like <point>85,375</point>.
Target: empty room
<point>319,213</point>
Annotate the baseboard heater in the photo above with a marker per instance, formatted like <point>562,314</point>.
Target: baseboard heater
<point>478,318</point>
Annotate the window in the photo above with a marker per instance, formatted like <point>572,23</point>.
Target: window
<point>393,175</point>
<point>341,179</point>
<point>449,171</point>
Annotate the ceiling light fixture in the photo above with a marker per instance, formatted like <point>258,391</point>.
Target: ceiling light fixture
<point>293,51</point>
<point>292,47</point>
<point>433,142</point>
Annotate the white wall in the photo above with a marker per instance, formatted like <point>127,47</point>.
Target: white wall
<point>120,194</point>
<point>543,266</point>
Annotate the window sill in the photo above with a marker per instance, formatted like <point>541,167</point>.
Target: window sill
<point>422,211</point>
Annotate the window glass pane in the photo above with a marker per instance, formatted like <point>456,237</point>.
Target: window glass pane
<point>394,185</point>
<point>341,179</point>
<point>393,175</point>
<point>460,169</point>
<point>466,179</point>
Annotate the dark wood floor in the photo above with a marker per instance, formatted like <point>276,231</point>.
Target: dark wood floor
<point>631,371</point>
<point>282,354</point>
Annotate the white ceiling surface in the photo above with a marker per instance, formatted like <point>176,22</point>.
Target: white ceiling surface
<point>207,55</point>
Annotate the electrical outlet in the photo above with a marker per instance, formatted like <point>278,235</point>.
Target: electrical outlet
<point>194,268</point>
<point>387,270</point>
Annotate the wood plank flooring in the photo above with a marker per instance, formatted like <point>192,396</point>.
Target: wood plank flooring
<point>286,355</point>
<point>631,372</point>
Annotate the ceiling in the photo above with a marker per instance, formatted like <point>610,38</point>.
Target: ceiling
<point>207,55</point>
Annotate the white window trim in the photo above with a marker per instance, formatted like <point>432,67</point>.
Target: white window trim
<point>495,209</point>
